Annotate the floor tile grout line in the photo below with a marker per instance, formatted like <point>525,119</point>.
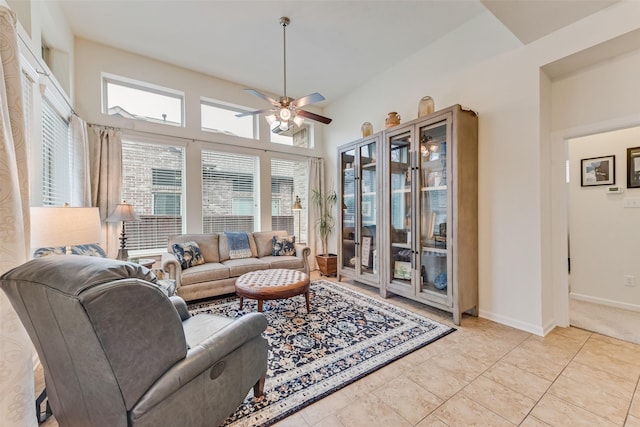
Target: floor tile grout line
<point>560,374</point>
<point>633,395</point>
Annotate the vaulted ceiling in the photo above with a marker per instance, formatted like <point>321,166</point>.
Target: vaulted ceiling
<point>332,45</point>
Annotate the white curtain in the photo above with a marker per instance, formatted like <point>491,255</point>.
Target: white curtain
<point>106,181</point>
<point>316,181</point>
<point>81,182</point>
<point>17,397</point>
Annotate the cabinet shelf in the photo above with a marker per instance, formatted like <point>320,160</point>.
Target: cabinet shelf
<point>439,187</point>
<point>401,190</point>
<point>435,251</point>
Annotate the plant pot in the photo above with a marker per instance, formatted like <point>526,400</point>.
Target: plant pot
<point>327,264</point>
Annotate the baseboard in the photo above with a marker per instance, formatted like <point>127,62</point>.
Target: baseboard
<point>604,301</point>
<point>515,323</point>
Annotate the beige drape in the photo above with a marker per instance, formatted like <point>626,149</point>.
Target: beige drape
<point>16,368</point>
<point>81,191</point>
<point>316,181</point>
<point>106,183</point>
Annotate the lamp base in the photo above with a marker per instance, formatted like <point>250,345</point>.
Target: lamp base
<point>123,254</point>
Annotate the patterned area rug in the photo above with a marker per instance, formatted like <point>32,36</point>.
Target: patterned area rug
<point>346,336</point>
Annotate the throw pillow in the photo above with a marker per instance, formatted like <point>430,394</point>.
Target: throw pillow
<point>284,245</point>
<point>188,254</point>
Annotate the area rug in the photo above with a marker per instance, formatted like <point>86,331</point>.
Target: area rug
<point>346,336</point>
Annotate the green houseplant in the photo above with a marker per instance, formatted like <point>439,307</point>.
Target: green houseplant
<point>324,202</point>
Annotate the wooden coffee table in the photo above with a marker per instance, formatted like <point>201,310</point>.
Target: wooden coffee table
<point>272,284</point>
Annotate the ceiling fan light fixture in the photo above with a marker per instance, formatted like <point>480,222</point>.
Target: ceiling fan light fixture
<point>298,120</point>
<point>270,118</point>
<point>285,114</point>
<point>286,109</point>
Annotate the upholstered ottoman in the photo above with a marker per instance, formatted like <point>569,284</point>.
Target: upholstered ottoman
<point>272,284</point>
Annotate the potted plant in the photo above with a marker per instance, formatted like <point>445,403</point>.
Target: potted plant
<point>324,202</point>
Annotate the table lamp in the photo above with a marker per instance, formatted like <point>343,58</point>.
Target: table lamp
<point>123,212</point>
<point>55,226</point>
<point>297,206</point>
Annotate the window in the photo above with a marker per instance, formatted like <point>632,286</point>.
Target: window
<point>289,179</point>
<point>142,101</point>
<point>220,117</point>
<point>152,184</point>
<point>166,204</point>
<point>296,136</point>
<point>166,177</point>
<point>229,192</point>
<point>56,157</point>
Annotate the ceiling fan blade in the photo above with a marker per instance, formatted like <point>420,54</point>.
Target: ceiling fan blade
<point>263,96</point>
<point>314,116</point>
<point>253,113</point>
<point>309,99</point>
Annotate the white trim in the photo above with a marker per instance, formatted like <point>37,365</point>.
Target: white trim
<point>604,301</point>
<point>518,324</point>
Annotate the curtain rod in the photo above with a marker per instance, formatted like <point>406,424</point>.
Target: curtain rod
<point>181,137</point>
<point>43,72</point>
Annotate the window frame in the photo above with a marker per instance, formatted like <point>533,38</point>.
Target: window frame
<point>234,108</point>
<point>108,78</point>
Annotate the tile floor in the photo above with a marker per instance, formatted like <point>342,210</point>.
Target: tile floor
<point>487,374</point>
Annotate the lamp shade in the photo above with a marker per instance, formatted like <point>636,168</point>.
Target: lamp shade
<point>123,212</point>
<point>297,205</point>
<point>64,226</point>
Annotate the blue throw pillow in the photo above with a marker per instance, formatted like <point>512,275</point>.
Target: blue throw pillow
<point>188,254</point>
<point>283,245</point>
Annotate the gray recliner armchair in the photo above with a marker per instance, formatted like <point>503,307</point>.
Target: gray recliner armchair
<point>116,351</point>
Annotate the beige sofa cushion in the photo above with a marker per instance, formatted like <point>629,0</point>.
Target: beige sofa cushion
<point>237,267</point>
<point>264,241</point>
<point>286,261</point>
<point>208,244</point>
<point>204,273</point>
<point>224,246</point>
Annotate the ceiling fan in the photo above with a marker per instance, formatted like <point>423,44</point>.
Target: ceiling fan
<point>286,110</point>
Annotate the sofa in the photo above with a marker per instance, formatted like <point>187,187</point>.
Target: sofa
<point>216,271</point>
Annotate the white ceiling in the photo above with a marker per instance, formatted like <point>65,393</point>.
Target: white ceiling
<point>332,45</point>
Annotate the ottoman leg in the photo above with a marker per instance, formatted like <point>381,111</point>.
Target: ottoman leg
<point>260,305</point>
<point>306,297</point>
<point>241,301</point>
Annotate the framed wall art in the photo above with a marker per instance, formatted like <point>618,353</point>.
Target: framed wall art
<point>598,171</point>
<point>633,167</point>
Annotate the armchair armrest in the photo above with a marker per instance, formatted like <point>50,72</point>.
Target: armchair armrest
<point>303,251</point>
<point>202,357</point>
<point>170,264</point>
<point>181,307</point>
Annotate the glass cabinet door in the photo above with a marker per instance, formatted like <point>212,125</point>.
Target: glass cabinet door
<point>434,209</point>
<point>368,202</point>
<point>347,160</point>
<point>400,208</point>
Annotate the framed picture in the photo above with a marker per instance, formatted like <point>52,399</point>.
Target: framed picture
<point>366,208</point>
<point>366,251</point>
<point>402,270</point>
<point>633,167</point>
<point>598,171</point>
<point>438,225</point>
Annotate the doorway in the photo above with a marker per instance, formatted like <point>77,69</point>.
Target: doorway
<point>603,234</point>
